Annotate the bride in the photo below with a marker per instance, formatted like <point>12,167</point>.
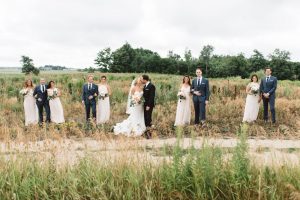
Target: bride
<point>134,125</point>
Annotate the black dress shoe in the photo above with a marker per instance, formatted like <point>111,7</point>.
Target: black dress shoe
<point>148,135</point>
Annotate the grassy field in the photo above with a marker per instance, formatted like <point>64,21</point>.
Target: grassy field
<point>224,114</point>
<point>205,173</point>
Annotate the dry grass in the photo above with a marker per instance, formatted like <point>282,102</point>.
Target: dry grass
<point>225,109</point>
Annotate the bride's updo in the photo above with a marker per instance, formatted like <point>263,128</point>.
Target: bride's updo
<point>137,81</point>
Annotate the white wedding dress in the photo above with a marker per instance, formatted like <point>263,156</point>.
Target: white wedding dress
<point>56,109</point>
<point>252,105</point>
<point>103,109</point>
<point>183,112</point>
<point>134,125</point>
<point>30,109</point>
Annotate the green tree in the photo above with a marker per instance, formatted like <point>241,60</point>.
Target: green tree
<point>28,67</point>
<point>205,56</point>
<point>281,65</point>
<point>257,61</point>
<point>122,59</point>
<point>189,60</point>
<point>104,59</point>
<point>238,66</point>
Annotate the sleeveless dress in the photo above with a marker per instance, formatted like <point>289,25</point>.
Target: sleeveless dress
<point>30,108</point>
<point>103,109</point>
<point>252,105</point>
<point>134,125</point>
<point>183,112</point>
<point>56,109</point>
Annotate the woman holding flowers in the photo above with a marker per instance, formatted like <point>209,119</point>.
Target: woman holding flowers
<point>103,110</point>
<point>252,101</point>
<point>57,112</point>
<point>30,108</point>
<point>183,113</point>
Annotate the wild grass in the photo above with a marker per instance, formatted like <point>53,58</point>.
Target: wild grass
<point>204,173</point>
<point>224,112</point>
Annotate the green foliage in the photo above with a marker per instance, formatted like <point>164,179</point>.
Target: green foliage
<point>28,67</point>
<point>139,60</point>
<point>104,59</point>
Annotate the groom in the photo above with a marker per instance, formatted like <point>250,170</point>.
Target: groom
<point>200,92</point>
<point>89,95</point>
<point>268,87</point>
<point>149,96</point>
<point>40,93</point>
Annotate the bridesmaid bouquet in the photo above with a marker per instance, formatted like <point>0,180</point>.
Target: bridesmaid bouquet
<point>254,89</point>
<point>24,92</point>
<point>135,100</point>
<point>181,95</point>
<point>52,94</point>
<point>103,95</point>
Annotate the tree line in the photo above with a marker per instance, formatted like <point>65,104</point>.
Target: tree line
<point>139,60</point>
<point>127,59</point>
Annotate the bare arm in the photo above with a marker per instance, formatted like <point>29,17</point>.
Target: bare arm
<point>109,90</point>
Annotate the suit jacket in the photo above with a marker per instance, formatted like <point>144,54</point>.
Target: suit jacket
<point>149,95</point>
<point>41,97</point>
<point>86,92</point>
<point>203,88</point>
<point>268,87</point>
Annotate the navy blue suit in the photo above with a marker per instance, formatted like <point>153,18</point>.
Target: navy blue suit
<point>269,87</point>
<point>42,102</point>
<point>199,101</point>
<point>90,103</point>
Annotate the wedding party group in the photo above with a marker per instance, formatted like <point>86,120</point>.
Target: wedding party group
<point>141,102</point>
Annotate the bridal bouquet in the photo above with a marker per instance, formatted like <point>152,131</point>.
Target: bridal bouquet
<point>24,92</point>
<point>135,100</point>
<point>103,95</point>
<point>181,95</point>
<point>52,94</point>
<point>254,89</point>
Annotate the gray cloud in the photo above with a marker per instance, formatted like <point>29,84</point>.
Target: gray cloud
<point>70,32</point>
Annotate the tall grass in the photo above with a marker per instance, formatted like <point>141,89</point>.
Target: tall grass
<point>206,173</point>
<point>224,112</point>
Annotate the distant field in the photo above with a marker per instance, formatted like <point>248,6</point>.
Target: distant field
<point>225,110</point>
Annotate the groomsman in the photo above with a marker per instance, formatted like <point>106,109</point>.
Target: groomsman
<point>200,92</point>
<point>41,96</point>
<point>149,96</point>
<point>268,87</point>
<point>89,95</point>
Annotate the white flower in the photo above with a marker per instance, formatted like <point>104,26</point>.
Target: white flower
<point>24,91</point>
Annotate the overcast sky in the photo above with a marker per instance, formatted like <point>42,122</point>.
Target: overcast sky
<point>71,32</point>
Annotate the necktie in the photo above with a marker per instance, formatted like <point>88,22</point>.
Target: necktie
<point>268,79</point>
<point>89,86</point>
<point>198,81</point>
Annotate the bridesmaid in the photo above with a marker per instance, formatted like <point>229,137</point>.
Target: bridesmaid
<point>57,112</point>
<point>103,110</point>
<point>252,101</point>
<point>30,108</point>
<point>183,113</point>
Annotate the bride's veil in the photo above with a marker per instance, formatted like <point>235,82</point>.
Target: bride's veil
<point>129,95</point>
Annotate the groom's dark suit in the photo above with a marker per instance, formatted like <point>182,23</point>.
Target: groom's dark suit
<point>269,85</point>
<point>149,96</point>
<point>90,89</point>
<point>42,101</point>
<point>201,86</point>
